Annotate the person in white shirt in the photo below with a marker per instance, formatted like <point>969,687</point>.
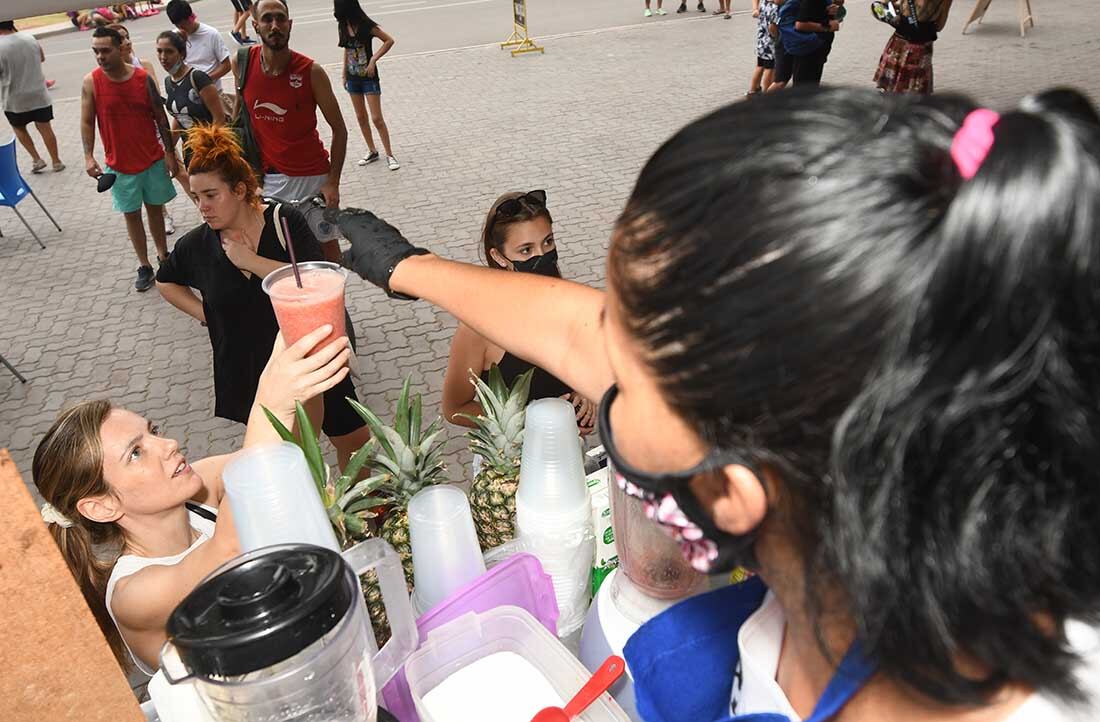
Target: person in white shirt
<point>871,376</point>
<point>135,520</point>
<point>206,50</point>
<point>23,93</point>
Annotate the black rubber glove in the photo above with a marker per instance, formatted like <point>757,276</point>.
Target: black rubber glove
<point>376,246</point>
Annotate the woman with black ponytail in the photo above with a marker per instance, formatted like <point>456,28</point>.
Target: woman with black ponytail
<point>871,375</point>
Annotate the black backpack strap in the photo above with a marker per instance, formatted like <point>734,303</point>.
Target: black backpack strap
<point>243,56</point>
<point>201,511</point>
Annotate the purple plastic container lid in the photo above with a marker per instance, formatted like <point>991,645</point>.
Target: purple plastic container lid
<point>518,581</point>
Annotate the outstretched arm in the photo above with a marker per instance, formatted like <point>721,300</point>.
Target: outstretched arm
<point>499,306</point>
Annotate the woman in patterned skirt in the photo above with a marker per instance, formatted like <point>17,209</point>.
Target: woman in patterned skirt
<point>906,63</point>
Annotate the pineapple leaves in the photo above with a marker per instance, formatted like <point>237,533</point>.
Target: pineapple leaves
<point>310,446</point>
<point>280,427</point>
<point>496,382</point>
<point>366,504</point>
<point>401,417</point>
<point>415,415</point>
<point>356,464</point>
<point>521,390</point>
<point>373,422</point>
<point>367,486</point>
<point>404,458</point>
<point>498,436</point>
<point>355,525</point>
<point>308,443</point>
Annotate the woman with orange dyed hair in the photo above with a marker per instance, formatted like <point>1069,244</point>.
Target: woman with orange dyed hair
<point>225,259</point>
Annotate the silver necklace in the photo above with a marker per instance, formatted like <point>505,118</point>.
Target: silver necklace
<point>266,69</point>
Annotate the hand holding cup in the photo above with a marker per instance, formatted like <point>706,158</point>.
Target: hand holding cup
<point>294,374</point>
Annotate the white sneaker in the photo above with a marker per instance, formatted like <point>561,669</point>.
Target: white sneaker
<point>169,223</point>
<point>662,11</point>
<point>648,13</point>
<point>392,162</point>
<point>369,158</point>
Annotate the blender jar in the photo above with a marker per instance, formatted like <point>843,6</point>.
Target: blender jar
<point>281,634</point>
<point>647,556</point>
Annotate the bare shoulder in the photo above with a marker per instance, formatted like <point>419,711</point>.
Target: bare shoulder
<point>472,345</point>
<point>132,593</point>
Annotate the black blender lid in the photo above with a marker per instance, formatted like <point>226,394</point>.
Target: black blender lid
<point>260,610</point>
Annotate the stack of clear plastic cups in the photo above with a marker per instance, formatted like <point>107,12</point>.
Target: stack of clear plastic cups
<point>446,554</point>
<point>553,516</point>
<point>275,500</point>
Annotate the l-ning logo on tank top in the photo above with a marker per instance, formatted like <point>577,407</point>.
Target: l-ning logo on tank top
<point>278,111</point>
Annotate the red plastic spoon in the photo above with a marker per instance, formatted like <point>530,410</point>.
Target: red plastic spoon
<point>612,668</point>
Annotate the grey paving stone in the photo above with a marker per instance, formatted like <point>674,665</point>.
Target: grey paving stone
<point>468,125</point>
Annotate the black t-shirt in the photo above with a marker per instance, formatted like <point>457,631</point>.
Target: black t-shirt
<point>183,101</point>
<point>239,316</point>
<point>922,32</point>
<point>360,47</point>
<point>814,11</point>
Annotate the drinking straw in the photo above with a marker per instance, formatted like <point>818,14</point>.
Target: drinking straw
<point>290,250</point>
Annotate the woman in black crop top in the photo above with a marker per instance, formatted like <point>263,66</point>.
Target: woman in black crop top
<point>518,236</point>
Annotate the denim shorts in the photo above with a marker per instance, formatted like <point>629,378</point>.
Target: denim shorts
<point>357,85</point>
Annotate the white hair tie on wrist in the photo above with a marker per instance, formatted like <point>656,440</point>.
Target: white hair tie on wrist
<point>51,515</point>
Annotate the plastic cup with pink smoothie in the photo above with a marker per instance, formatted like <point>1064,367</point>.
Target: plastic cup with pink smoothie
<point>319,301</point>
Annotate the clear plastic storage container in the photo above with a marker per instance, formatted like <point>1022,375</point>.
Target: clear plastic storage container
<point>505,629</point>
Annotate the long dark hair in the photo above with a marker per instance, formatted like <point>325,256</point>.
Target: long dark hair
<point>349,12</point>
<point>177,41</point>
<point>915,357</point>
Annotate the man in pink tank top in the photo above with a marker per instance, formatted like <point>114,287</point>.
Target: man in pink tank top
<point>125,104</point>
<point>282,91</point>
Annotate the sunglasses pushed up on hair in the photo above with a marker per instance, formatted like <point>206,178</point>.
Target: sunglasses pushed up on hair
<point>513,206</point>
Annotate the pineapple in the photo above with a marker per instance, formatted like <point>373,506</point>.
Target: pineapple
<point>498,440</point>
<point>348,503</point>
<point>409,458</point>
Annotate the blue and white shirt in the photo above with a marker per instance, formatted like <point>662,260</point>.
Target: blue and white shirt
<point>765,44</point>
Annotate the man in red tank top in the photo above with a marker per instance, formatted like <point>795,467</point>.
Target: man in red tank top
<point>124,102</point>
<point>282,91</point>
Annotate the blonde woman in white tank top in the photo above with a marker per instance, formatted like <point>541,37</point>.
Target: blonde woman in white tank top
<point>109,477</point>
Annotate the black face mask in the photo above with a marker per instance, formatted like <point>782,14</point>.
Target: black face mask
<point>544,265</point>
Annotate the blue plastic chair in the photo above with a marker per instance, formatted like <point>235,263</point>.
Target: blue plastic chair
<point>14,189</point>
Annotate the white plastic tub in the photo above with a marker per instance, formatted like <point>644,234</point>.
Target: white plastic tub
<point>467,639</point>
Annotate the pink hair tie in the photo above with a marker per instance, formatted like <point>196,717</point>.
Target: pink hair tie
<point>973,140</point>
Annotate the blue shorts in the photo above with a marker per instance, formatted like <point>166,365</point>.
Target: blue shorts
<point>151,187</point>
<point>357,85</point>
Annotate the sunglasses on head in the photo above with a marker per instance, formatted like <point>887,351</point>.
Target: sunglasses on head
<point>656,484</point>
<point>513,206</point>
